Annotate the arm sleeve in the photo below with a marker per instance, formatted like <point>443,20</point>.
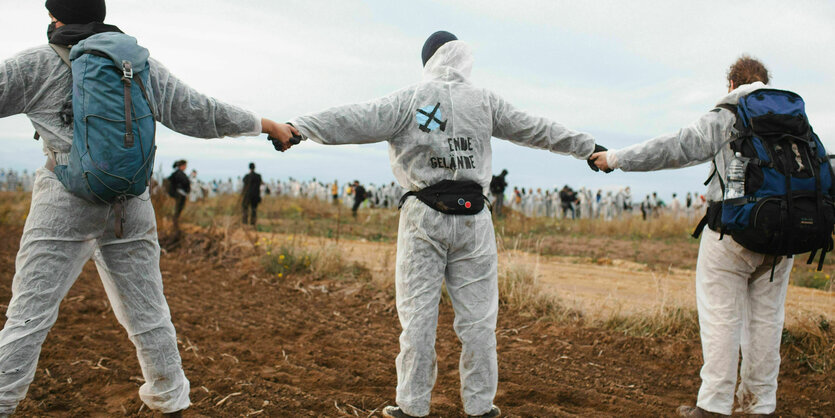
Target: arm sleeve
<point>521,128</point>
<point>184,110</point>
<point>695,144</point>
<point>363,123</point>
<point>12,88</point>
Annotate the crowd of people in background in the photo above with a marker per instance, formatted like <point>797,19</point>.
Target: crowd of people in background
<point>559,203</point>
<point>585,203</point>
<point>12,180</point>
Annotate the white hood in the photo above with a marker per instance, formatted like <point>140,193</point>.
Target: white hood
<point>733,97</point>
<point>451,62</point>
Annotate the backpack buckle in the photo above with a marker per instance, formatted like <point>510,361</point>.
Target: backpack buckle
<point>127,71</point>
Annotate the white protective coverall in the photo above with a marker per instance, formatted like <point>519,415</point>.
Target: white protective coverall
<point>63,231</point>
<point>739,308</point>
<point>454,144</point>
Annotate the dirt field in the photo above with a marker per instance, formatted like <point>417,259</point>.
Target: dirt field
<point>254,345</point>
<point>598,288</point>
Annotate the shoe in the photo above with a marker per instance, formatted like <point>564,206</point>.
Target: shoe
<point>495,412</point>
<point>696,412</point>
<point>395,412</point>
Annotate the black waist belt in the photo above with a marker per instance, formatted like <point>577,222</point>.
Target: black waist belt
<point>712,219</point>
<point>451,197</point>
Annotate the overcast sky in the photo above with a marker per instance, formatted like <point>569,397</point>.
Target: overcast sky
<point>622,71</point>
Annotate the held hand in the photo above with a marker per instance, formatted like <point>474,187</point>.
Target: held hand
<point>282,135</point>
<point>593,160</point>
<point>600,162</point>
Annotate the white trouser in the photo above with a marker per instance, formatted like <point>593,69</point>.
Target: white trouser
<point>430,247</point>
<point>739,308</point>
<point>62,232</point>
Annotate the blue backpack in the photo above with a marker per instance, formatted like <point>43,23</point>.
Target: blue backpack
<point>786,206</point>
<point>112,155</point>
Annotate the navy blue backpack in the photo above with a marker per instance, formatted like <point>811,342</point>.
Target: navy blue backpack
<point>787,206</point>
<point>114,128</point>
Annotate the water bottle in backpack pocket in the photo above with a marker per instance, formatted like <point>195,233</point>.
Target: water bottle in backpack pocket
<point>735,177</point>
<point>779,191</point>
<point>114,127</point>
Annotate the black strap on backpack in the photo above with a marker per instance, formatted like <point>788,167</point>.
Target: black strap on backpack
<point>712,219</point>
<point>731,108</point>
<point>451,197</point>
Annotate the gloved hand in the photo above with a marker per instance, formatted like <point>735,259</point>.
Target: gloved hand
<point>597,148</point>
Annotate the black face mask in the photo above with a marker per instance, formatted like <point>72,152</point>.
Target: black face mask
<point>50,30</point>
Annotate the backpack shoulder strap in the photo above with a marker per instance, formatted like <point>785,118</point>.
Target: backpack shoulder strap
<point>63,52</point>
<point>726,106</point>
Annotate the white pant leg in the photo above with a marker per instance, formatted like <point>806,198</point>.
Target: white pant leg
<point>422,246</point>
<point>57,240</point>
<point>722,273</point>
<point>761,335</point>
<point>472,282</point>
<point>129,270</point>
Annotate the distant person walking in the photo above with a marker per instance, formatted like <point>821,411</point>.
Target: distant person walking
<point>251,195</point>
<point>335,192</point>
<point>179,186</point>
<point>497,187</point>
<point>567,198</point>
<point>359,197</point>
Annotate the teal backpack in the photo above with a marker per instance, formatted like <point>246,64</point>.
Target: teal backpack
<point>114,129</point>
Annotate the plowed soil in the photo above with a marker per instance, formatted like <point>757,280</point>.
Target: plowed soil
<point>253,345</point>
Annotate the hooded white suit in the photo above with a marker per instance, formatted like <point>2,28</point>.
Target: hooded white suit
<point>454,144</point>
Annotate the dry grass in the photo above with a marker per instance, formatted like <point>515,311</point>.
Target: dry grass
<point>631,226</point>
<point>14,206</point>
<point>285,259</point>
<point>518,290</point>
<point>812,341</point>
<point>665,321</point>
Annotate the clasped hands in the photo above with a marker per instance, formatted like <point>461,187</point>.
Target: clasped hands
<point>282,135</point>
<point>598,161</point>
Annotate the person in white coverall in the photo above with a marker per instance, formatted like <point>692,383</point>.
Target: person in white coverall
<point>63,231</point>
<point>452,143</point>
<point>739,307</point>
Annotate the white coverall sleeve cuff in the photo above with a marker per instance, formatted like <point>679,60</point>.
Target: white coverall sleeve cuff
<point>258,130</point>
<point>612,159</point>
<point>256,126</point>
<point>299,125</point>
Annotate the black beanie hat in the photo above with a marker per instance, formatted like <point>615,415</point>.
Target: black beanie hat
<point>77,11</point>
<point>435,41</point>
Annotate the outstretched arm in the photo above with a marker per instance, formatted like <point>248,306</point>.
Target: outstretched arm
<point>695,144</point>
<point>521,128</point>
<point>189,112</point>
<point>363,123</point>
